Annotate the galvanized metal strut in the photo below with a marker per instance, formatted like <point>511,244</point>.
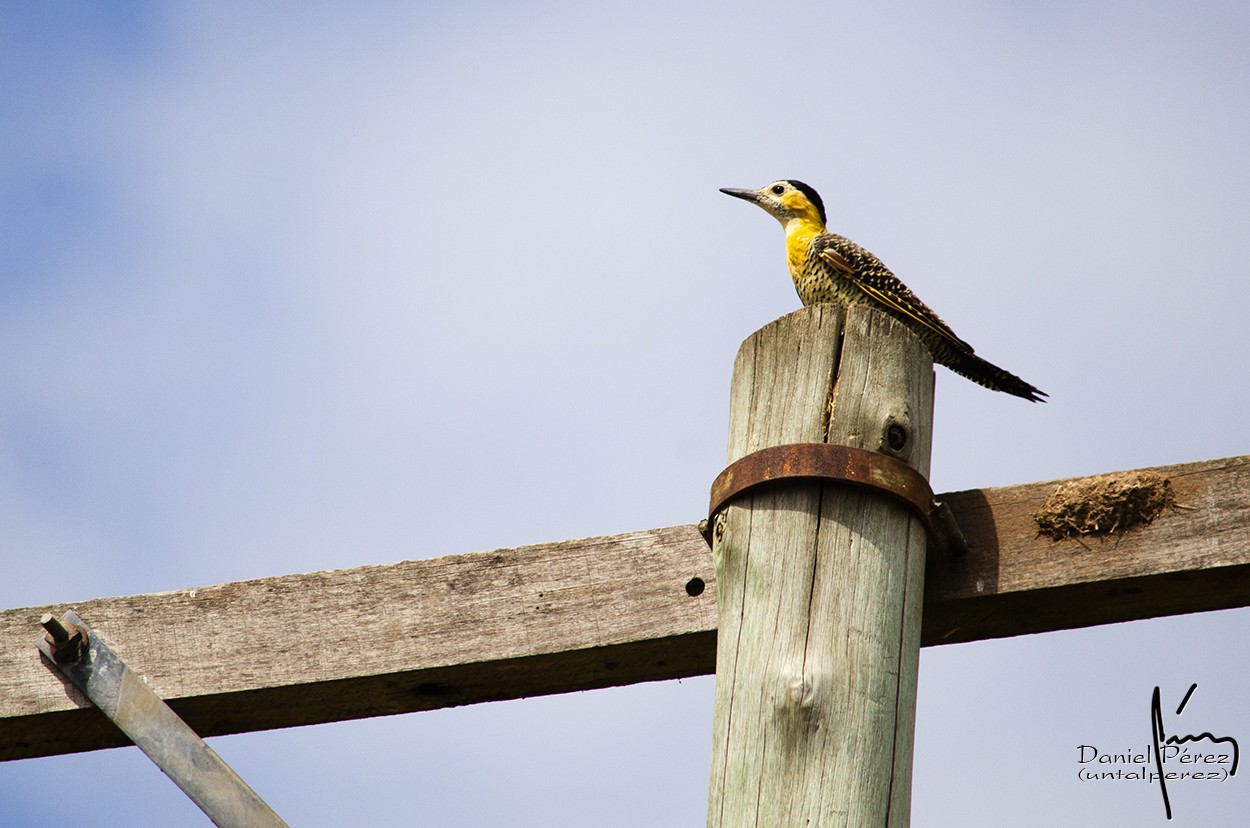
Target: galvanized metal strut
<point>95,669</point>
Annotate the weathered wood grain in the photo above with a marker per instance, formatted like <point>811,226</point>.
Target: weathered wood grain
<point>556,617</point>
<point>415,635</point>
<point>820,586</point>
<point>1195,556</point>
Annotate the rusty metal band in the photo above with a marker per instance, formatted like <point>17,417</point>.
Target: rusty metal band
<point>827,463</point>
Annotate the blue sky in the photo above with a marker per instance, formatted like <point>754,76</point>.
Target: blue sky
<point>268,271</point>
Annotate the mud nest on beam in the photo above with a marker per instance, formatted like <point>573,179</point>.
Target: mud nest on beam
<point>1108,504</point>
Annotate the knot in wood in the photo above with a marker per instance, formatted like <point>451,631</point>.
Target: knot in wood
<point>803,697</point>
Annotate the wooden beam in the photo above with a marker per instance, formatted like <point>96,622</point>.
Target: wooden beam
<point>376,640</point>
<point>1195,556</point>
<point>552,618</point>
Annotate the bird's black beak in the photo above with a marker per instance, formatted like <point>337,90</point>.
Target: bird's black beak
<point>746,195</point>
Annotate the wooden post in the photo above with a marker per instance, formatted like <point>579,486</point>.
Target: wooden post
<point>820,585</point>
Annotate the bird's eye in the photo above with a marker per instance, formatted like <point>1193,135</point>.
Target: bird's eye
<point>778,189</point>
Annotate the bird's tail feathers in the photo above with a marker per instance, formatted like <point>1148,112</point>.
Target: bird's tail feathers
<point>994,378</point>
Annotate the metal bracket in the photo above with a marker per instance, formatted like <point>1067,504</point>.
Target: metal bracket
<point>837,464</point>
<point>92,666</point>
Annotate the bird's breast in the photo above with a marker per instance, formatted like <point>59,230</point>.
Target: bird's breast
<point>799,238</point>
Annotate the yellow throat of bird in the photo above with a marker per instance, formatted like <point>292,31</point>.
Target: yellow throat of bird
<point>799,235</point>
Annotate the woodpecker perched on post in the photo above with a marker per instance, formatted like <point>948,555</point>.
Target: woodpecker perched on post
<point>829,268</point>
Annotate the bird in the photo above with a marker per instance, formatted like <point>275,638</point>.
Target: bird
<point>827,267</point>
